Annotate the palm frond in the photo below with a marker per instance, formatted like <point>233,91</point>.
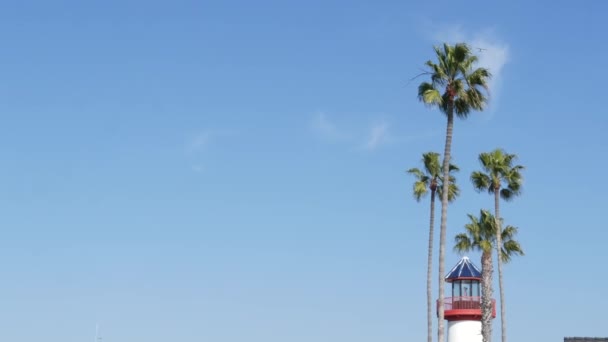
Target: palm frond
<point>467,65</point>
<point>416,172</point>
<point>429,95</point>
<point>441,58</point>
<point>462,107</point>
<point>475,98</point>
<point>432,163</point>
<point>461,52</point>
<point>453,189</point>
<point>507,194</point>
<point>420,189</point>
<point>438,76</point>
<point>462,243</point>
<point>481,182</point>
<point>458,86</point>
<point>508,232</point>
<point>510,248</point>
<point>486,245</point>
<point>479,79</point>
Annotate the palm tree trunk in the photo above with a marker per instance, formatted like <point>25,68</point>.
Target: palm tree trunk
<point>503,318</point>
<point>444,220</point>
<point>486,296</point>
<point>429,273</point>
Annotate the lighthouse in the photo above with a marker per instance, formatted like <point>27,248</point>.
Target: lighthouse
<point>463,309</point>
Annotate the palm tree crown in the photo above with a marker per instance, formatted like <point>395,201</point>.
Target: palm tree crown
<point>453,74</point>
<point>480,235</point>
<point>431,177</point>
<point>499,170</point>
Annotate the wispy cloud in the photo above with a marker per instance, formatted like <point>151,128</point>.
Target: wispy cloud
<point>367,137</point>
<point>427,134</point>
<point>199,142</point>
<point>198,146</point>
<point>493,53</point>
<point>378,135</point>
<point>205,138</point>
<point>198,168</point>
<point>325,128</point>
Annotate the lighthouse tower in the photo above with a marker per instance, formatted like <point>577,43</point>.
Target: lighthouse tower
<point>463,309</point>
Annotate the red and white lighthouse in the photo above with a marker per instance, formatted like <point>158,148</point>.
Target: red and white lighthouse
<point>463,309</point>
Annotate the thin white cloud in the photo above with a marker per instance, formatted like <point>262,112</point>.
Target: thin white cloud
<point>200,141</point>
<point>196,147</point>
<point>363,137</point>
<point>418,135</point>
<point>198,168</point>
<point>325,128</point>
<point>379,135</point>
<point>205,138</point>
<point>493,53</point>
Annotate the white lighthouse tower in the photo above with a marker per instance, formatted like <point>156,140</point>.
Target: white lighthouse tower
<point>463,309</point>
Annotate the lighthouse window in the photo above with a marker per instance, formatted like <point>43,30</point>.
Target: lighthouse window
<point>466,288</point>
<point>456,288</point>
<point>475,290</point>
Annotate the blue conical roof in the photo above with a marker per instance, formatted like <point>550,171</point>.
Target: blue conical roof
<point>463,269</point>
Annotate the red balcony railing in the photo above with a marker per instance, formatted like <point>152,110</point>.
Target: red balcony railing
<point>464,306</point>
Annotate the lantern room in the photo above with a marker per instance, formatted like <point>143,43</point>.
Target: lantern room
<point>465,302</point>
<point>465,279</point>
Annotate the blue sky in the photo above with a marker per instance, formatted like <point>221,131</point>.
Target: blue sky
<point>231,170</point>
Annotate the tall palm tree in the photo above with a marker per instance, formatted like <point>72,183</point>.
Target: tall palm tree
<point>430,179</point>
<point>456,88</point>
<point>480,235</point>
<point>503,180</point>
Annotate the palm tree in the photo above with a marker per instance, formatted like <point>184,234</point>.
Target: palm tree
<point>455,88</point>
<point>501,179</point>
<point>430,179</point>
<point>480,235</point>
